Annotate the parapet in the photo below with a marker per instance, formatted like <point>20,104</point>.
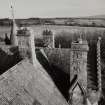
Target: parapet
<point>24,31</point>
<point>80,45</point>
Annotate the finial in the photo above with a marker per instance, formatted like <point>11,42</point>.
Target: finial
<point>59,45</point>
<point>99,38</point>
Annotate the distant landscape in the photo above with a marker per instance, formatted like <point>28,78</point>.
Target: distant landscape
<point>91,21</point>
<point>64,29</point>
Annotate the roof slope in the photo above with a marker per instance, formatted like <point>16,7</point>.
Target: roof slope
<point>59,77</point>
<point>92,67</point>
<point>61,58</point>
<point>9,56</point>
<point>24,84</point>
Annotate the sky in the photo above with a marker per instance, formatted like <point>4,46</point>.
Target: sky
<point>51,8</point>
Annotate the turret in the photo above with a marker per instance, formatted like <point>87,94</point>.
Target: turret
<point>13,37</point>
<point>49,38</point>
<point>26,44</point>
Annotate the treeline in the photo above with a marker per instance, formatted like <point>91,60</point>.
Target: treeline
<point>82,22</point>
<point>65,38</point>
<point>92,24</point>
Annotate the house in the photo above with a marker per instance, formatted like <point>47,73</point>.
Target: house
<point>48,76</point>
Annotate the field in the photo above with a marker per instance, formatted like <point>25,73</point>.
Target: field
<point>38,29</point>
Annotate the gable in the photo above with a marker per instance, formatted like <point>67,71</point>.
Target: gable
<point>77,96</point>
<point>77,89</point>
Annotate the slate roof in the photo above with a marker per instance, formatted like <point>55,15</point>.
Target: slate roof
<point>59,77</point>
<point>92,67</point>
<point>25,84</point>
<point>61,58</point>
<point>9,56</point>
<point>55,62</point>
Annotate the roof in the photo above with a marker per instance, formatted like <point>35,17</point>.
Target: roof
<point>59,77</point>
<point>92,67</point>
<point>9,56</point>
<point>60,57</point>
<point>55,62</point>
<point>76,82</point>
<point>28,85</point>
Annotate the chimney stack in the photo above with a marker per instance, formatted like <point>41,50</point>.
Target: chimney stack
<point>26,44</point>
